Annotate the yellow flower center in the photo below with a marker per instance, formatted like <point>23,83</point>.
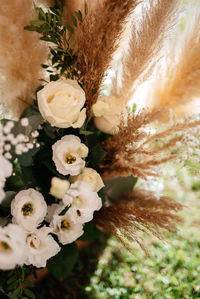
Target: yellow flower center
<point>69,159</point>
<point>27,209</point>
<point>77,202</point>
<point>65,224</point>
<point>4,245</point>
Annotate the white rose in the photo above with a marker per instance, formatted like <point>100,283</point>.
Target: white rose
<point>59,187</point>
<point>13,250</point>
<point>60,103</point>
<point>107,112</point>
<point>67,154</point>
<point>66,229</point>
<point>90,176</point>
<point>41,247</point>
<point>83,201</point>
<point>28,209</point>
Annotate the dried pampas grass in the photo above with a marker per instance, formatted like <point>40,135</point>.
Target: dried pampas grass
<point>134,151</point>
<point>97,40</point>
<point>21,55</point>
<point>140,210</point>
<point>178,83</point>
<point>146,42</point>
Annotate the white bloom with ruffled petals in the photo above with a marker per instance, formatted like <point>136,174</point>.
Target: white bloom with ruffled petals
<point>41,247</point>
<point>83,201</point>
<point>67,154</point>
<point>13,250</point>
<point>66,229</point>
<point>90,176</point>
<point>28,209</point>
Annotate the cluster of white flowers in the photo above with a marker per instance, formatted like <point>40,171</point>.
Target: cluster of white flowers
<point>20,143</point>
<point>27,240</point>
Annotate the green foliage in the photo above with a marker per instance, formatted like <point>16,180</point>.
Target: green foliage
<point>61,265</point>
<point>15,285</point>
<point>118,186</point>
<point>49,25</point>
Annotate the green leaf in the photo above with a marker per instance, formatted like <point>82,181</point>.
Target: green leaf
<point>29,294</point>
<point>12,279</point>
<point>15,294</point>
<point>79,15</point>
<point>30,28</point>
<point>29,283</point>
<point>97,154</point>
<point>83,132</point>
<point>61,265</point>
<point>69,28</point>
<point>37,22</point>
<point>74,20</point>
<point>118,186</point>
<point>90,232</point>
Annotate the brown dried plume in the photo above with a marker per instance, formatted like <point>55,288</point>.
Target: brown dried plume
<point>134,151</point>
<point>140,210</point>
<point>97,39</point>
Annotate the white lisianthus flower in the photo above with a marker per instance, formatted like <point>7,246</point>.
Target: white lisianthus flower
<point>67,154</point>
<point>28,209</point>
<point>83,201</point>
<point>66,229</point>
<point>13,250</point>
<point>59,187</point>
<point>60,103</point>
<point>54,209</point>
<point>5,171</point>
<point>107,112</point>
<point>41,247</point>
<point>90,176</point>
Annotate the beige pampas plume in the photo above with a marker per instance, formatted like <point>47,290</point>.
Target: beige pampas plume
<point>139,210</point>
<point>21,55</point>
<point>148,33</point>
<point>178,82</point>
<point>97,40</point>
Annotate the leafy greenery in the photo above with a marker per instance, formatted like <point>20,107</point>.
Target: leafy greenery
<point>49,25</point>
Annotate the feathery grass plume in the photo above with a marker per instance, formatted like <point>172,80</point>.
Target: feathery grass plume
<point>146,41</point>
<point>97,39</point>
<point>135,152</point>
<point>21,55</point>
<point>140,210</point>
<point>178,82</point>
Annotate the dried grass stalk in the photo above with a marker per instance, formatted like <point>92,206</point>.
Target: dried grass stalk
<point>97,40</point>
<point>21,55</point>
<point>179,82</point>
<point>140,210</point>
<point>145,44</point>
<point>135,152</point>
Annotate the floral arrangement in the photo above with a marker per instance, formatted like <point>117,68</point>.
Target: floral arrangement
<point>72,156</point>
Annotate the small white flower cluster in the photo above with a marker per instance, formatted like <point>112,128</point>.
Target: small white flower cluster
<point>20,143</point>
